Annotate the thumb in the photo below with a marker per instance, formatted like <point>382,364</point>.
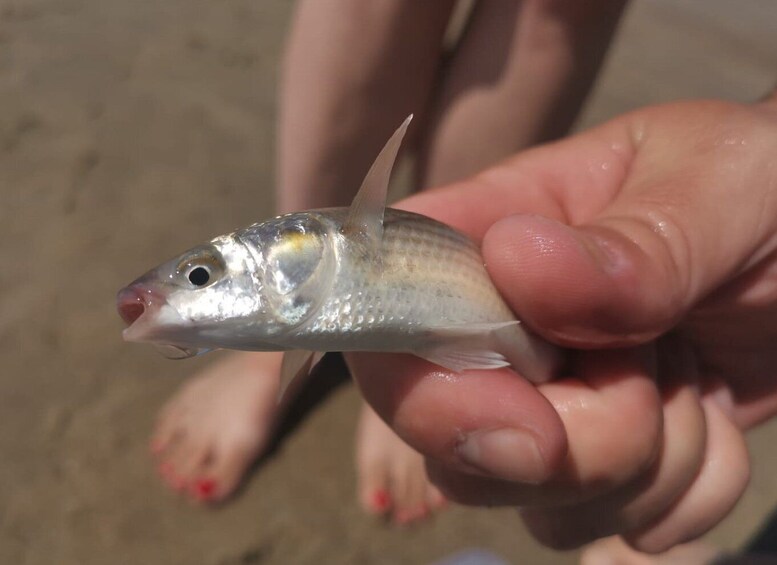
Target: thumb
<point>679,227</point>
<point>582,287</point>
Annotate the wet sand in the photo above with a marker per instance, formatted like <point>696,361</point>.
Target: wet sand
<point>130,131</point>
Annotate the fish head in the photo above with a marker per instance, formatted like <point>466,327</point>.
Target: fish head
<point>186,303</point>
<point>245,290</point>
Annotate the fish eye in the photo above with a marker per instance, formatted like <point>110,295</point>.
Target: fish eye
<point>201,266</point>
<point>199,276</point>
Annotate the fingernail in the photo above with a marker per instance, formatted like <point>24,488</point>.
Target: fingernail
<point>505,453</point>
<point>204,488</point>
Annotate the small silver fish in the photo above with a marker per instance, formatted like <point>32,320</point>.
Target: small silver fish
<point>364,278</point>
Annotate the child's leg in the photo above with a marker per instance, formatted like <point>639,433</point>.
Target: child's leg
<point>519,77</point>
<point>353,71</point>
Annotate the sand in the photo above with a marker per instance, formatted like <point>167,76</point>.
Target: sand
<point>131,130</point>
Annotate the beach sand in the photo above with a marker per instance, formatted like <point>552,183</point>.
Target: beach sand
<point>130,131</point>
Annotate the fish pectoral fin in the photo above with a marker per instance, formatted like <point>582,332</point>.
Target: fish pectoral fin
<point>296,363</point>
<point>365,216</point>
<point>463,347</point>
<point>178,352</point>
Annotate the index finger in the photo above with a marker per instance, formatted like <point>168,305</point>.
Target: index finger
<point>569,181</point>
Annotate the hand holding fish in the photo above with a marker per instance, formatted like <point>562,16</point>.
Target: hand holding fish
<point>649,246</point>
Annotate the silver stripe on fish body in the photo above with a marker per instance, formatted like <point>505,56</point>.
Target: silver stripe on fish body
<point>364,278</point>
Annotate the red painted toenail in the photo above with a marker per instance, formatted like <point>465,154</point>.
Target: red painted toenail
<point>381,500</point>
<point>204,488</point>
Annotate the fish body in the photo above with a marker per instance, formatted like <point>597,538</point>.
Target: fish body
<point>424,276</point>
<point>364,278</point>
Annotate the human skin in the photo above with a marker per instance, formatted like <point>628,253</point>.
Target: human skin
<point>647,247</point>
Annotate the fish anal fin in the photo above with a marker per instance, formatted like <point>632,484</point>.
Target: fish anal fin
<point>486,345</point>
<point>365,216</point>
<point>297,363</point>
<point>459,360</point>
<point>462,347</point>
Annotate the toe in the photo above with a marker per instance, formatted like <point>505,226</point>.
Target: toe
<point>170,476</point>
<point>180,461</point>
<point>373,453</point>
<point>434,498</point>
<point>192,461</point>
<point>374,493</point>
<point>168,429</point>
<point>203,489</point>
<point>409,483</point>
<point>224,470</point>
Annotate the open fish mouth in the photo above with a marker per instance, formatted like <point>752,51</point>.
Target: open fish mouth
<point>131,305</point>
<point>145,311</point>
<point>143,308</point>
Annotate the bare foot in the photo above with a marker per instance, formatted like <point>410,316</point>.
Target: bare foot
<point>613,551</point>
<point>392,476</point>
<point>217,425</point>
<point>220,422</point>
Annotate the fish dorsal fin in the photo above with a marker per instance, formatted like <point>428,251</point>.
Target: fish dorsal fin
<point>296,363</point>
<point>365,216</point>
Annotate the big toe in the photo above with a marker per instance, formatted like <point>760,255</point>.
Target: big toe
<point>409,486</point>
<point>374,492</point>
<point>223,475</point>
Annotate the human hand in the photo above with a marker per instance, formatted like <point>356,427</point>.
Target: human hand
<point>648,246</point>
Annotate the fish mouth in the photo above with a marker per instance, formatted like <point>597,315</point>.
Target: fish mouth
<point>140,307</point>
<point>147,313</point>
<point>131,305</point>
